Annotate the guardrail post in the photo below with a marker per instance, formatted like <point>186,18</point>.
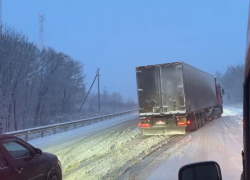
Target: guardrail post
<point>42,133</point>
<point>26,137</point>
<point>54,131</point>
<point>74,126</point>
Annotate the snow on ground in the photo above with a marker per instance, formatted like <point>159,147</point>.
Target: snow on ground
<point>112,148</point>
<point>99,151</point>
<point>219,140</point>
<point>70,136</point>
<point>232,111</point>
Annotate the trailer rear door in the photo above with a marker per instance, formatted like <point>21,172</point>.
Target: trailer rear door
<point>160,88</point>
<point>148,89</point>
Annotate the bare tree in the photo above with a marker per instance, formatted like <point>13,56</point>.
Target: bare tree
<point>35,84</point>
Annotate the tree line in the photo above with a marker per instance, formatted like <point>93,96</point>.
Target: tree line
<point>232,82</point>
<point>37,85</point>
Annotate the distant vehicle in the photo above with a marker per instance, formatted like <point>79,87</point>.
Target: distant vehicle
<point>175,97</point>
<point>21,161</point>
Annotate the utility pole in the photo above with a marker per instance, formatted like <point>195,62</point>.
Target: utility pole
<point>96,76</point>
<point>41,20</point>
<point>1,22</point>
<point>99,105</point>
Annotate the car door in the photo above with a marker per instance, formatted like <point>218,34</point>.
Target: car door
<point>6,170</point>
<point>27,164</point>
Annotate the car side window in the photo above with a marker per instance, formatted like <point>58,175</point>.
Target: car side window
<point>16,150</point>
<point>3,162</point>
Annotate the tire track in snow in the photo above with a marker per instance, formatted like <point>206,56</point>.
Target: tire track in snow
<point>91,159</point>
<point>143,169</point>
<point>86,147</point>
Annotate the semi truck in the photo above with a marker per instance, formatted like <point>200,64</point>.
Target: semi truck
<point>175,97</point>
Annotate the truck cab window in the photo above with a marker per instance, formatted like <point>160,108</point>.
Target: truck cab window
<point>3,162</point>
<point>17,150</point>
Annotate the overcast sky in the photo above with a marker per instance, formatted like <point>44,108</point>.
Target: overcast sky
<point>118,35</point>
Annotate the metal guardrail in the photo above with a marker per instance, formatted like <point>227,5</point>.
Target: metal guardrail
<point>81,122</point>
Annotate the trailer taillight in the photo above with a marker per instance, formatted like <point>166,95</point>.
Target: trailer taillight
<point>188,122</point>
<point>139,124</point>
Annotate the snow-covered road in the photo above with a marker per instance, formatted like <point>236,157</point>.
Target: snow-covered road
<point>114,149</point>
<point>220,140</point>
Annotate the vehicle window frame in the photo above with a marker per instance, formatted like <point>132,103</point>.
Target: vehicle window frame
<point>7,163</point>
<point>21,144</point>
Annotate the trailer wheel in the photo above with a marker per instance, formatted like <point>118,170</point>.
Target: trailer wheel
<point>212,115</point>
<point>202,119</point>
<point>198,117</point>
<point>195,121</point>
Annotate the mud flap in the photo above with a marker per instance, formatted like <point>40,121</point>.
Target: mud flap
<point>163,131</point>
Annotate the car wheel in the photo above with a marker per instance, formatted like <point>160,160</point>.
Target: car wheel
<point>54,175</point>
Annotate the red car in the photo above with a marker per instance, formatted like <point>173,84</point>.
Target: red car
<point>21,161</point>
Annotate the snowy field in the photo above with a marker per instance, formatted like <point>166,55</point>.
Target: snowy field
<point>114,149</point>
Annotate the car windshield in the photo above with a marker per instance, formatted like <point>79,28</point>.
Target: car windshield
<point>124,89</point>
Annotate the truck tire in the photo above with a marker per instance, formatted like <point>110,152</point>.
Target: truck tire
<point>202,119</point>
<point>195,123</point>
<point>212,115</point>
<point>221,111</point>
<point>198,117</point>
